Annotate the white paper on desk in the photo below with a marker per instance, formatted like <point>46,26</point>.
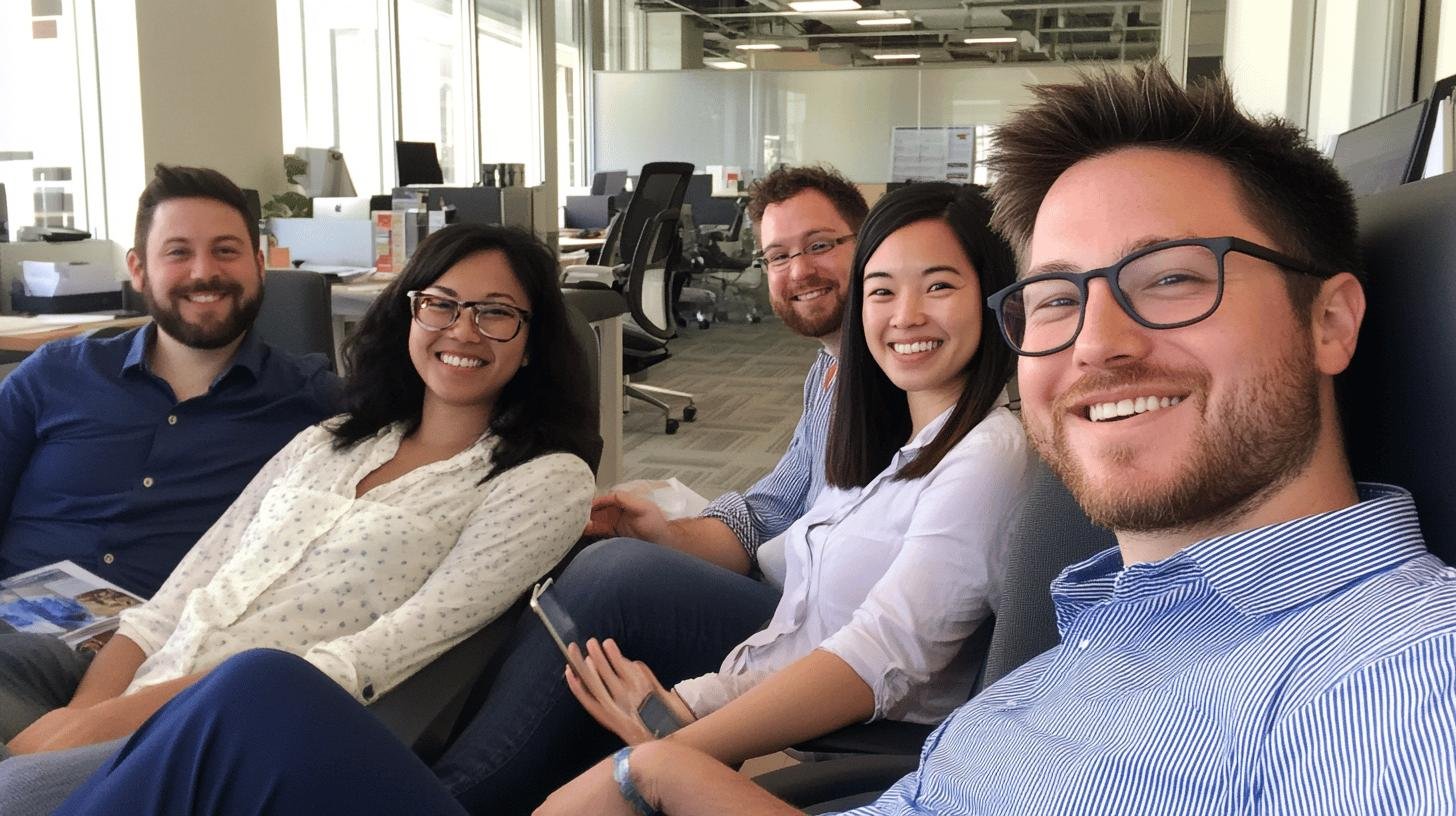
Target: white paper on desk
<point>11,325</point>
<point>56,278</point>
<point>344,272</point>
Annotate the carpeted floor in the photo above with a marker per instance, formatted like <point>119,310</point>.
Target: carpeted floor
<point>747,381</point>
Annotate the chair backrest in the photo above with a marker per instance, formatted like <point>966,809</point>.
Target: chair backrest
<point>1396,399</point>
<point>649,277</point>
<point>1051,534</point>
<point>297,313</point>
<point>660,188</point>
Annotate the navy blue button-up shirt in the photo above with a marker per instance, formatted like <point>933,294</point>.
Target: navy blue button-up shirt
<point>101,465</point>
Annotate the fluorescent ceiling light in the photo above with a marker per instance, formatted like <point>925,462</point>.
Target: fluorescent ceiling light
<point>824,5</point>
<point>758,47</point>
<point>898,55</point>
<point>885,21</point>
<point>989,41</point>
<point>725,64</point>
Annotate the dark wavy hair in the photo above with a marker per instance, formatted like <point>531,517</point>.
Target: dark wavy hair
<point>871,417</point>
<point>546,407</point>
<point>1288,187</point>
<point>174,181</point>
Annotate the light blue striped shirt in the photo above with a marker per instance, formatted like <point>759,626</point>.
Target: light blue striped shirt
<point>1307,667</point>
<point>788,491</point>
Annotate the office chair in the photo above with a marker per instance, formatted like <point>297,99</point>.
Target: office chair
<point>635,260</point>
<point>1395,407</point>
<point>734,271</point>
<point>426,710</point>
<point>297,314</point>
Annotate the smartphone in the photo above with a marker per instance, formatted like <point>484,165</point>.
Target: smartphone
<point>558,624</point>
<point>658,718</point>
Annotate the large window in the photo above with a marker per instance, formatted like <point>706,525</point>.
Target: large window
<point>463,74</point>
<point>336,90</point>
<point>510,112</point>
<point>41,149</point>
<point>434,91</point>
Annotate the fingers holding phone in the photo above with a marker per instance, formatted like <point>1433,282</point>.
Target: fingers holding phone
<point>625,696</point>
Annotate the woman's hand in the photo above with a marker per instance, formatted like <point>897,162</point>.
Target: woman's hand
<point>614,688</point>
<point>625,514</point>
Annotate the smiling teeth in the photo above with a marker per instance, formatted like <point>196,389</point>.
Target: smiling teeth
<point>204,297</point>
<point>1113,410</point>
<point>914,348</point>
<point>460,362</point>
<point>814,295</point>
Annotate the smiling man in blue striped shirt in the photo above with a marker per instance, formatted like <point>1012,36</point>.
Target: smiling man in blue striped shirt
<point>1269,637</point>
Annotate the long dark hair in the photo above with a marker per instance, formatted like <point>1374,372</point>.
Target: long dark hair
<point>545,407</point>
<point>871,418</point>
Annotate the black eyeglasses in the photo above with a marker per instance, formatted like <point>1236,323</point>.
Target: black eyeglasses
<point>1164,286</point>
<point>779,259</point>
<point>497,321</point>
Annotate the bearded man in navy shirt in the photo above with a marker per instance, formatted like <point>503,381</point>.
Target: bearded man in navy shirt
<point>119,453</point>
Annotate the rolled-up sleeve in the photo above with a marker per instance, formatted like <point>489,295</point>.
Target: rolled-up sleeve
<point>524,525</point>
<point>944,580</point>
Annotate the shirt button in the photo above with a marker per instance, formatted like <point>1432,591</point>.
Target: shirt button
<point>172,419</point>
<point>147,481</point>
<point>109,558</point>
<point>1083,643</point>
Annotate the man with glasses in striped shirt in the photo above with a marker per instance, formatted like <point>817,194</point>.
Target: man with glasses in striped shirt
<point>1269,636</point>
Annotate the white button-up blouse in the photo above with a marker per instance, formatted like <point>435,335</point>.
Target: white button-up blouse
<point>367,589</point>
<point>893,577</point>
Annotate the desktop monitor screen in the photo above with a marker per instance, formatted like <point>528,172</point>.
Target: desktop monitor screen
<point>417,163</point>
<point>609,182</point>
<point>1381,155</point>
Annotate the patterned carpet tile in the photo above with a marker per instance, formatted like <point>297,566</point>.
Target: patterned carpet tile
<point>747,381</point>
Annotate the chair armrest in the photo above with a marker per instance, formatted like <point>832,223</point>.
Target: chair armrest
<point>588,273</point>
<point>811,783</point>
<point>879,737</point>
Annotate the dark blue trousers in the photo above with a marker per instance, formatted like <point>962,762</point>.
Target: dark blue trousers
<point>267,733</point>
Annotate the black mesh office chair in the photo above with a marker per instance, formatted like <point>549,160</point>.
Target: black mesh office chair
<point>635,260</point>
<point>1395,404</point>
<point>425,710</point>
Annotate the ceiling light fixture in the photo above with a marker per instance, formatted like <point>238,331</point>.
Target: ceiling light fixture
<point>897,55</point>
<point>885,21</point>
<point>824,5</point>
<point>989,41</point>
<point>758,47</point>
<point>725,64</point>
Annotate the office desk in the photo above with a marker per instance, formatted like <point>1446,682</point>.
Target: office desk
<point>573,244</point>
<point>34,340</point>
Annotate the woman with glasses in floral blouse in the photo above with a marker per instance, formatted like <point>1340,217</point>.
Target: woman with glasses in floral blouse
<point>375,541</point>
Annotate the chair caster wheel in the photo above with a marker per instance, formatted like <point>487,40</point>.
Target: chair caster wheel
<point>690,413</point>
<point>754,319</point>
<point>671,426</point>
<point>703,324</point>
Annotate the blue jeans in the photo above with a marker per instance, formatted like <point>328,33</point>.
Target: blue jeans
<point>677,613</point>
<point>267,733</point>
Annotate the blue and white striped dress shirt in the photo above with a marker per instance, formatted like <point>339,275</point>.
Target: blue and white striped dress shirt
<point>788,491</point>
<point>1307,667</point>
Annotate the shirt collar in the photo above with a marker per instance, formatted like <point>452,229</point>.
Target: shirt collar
<point>928,433</point>
<point>1308,558</point>
<point>250,355</point>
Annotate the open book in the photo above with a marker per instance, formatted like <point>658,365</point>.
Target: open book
<point>64,600</point>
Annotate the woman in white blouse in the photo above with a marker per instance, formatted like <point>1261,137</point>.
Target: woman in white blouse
<point>888,574</point>
<point>374,542</point>
<point>901,557</point>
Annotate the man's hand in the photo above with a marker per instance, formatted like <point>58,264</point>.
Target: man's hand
<point>614,688</point>
<point>623,514</point>
<point>594,791</point>
<point>35,737</point>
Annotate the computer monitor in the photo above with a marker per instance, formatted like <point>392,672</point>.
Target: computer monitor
<point>417,163</point>
<point>609,182</point>
<point>341,207</point>
<point>327,175</point>
<point>708,210</point>
<point>1382,154</point>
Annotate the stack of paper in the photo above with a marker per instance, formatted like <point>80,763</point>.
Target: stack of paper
<point>55,278</point>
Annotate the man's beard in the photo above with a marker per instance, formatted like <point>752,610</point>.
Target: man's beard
<point>168,315</point>
<point>827,322</point>
<point>1254,445</point>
